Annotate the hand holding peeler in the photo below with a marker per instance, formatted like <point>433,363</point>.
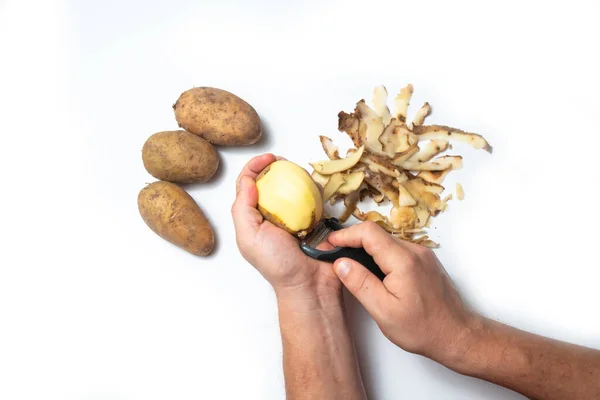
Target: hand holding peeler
<point>322,230</point>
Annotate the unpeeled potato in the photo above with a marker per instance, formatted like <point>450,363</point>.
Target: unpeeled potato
<point>179,156</point>
<point>174,215</point>
<point>218,116</point>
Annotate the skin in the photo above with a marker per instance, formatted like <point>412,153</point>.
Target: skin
<point>319,360</point>
<point>173,215</point>
<point>416,307</point>
<point>179,156</point>
<point>218,116</point>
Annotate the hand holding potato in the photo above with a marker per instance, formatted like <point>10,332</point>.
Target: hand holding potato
<point>274,252</point>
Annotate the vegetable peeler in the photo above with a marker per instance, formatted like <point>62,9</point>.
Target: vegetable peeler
<point>320,232</point>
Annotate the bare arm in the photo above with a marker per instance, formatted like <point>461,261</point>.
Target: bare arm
<point>535,366</point>
<point>319,360</point>
<point>418,308</point>
<point>318,355</point>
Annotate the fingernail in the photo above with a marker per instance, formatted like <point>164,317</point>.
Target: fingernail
<point>343,268</point>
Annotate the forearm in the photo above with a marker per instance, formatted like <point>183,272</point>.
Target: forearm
<point>319,360</point>
<point>535,366</point>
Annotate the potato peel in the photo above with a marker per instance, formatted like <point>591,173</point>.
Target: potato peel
<point>373,127</point>
<point>460,193</point>
<point>430,150</point>
<point>388,138</point>
<point>328,167</point>
<point>445,132</point>
<point>403,217</point>
<point>434,176</point>
<point>350,124</point>
<point>350,202</point>
<point>401,158</point>
<point>352,182</point>
<point>330,149</point>
<point>402,102</point>
<point>333,184</point>
<point>420,115</point>
<point>319,178</point>
<point>404,198</point>
<point>380,95</point>
<point>380,164</point>
<point>393,161</point>
<point>438,164</point>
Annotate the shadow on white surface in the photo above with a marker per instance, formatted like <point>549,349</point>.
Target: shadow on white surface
<point>263,145</point>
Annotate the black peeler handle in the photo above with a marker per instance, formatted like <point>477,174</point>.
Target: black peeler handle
<point>359,255</point>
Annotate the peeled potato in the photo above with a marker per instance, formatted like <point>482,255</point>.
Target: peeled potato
<point>289,198</point>
<point>179,156</point>
<point>172,214</point>
<point>218,116</point>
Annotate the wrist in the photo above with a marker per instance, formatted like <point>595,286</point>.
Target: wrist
<point>493,352</point>
<point>308,298</point>
<point>467,347</point>
<point>483,346</point>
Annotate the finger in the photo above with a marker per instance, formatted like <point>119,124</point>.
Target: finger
<point>325,246</point>
<point>367,234</point>
<point>254,167</point>
<point>375,240</point>
<point>365,286</point>
<point>247,194</point>
<point>246,217</point>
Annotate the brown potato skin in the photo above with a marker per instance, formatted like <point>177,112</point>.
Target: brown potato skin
<point>172,214</point>
<point>179,156</point>
<point>218,116</point>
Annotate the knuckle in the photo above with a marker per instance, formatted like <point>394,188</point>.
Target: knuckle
<point>423,251</point>
<point>370,226</point>
<point>371,235</point>
<point>412,259</point>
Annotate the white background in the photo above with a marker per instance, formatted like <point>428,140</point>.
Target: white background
<point>93,305</point>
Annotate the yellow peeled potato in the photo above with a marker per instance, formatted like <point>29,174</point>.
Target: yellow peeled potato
<point>218,116</point>
<point>172,214</point>
<point>179,156</point>
<point>289,198</point>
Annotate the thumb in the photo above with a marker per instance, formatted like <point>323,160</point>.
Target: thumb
<point>246,218</point>
<point>365,286</point>
<point>247,194</point>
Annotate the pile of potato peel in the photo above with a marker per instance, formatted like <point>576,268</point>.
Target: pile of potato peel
<point>393,161</point>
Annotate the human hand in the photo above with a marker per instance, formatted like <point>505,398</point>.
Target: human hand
<point>416,306</point>
<point>271,250</point>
